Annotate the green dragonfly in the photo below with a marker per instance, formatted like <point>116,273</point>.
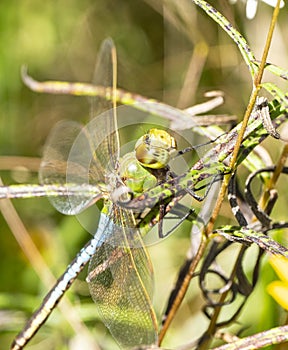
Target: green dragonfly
<point>82,165</point>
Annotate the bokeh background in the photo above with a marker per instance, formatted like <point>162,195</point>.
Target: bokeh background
<point>168,50</point>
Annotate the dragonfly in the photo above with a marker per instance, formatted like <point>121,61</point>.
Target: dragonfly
<point>81,166</point>
<point>97,174</point>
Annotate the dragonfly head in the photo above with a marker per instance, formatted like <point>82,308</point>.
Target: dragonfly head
<point>153,150</point>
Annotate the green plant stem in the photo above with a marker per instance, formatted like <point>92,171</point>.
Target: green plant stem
<point>259,75</point>
<point>210,226</point>
<point>208,231</point>
<point>182,292</point>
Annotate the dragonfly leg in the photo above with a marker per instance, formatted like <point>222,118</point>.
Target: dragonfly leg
<point>180,211</point>
<point>192,193</point>
<point>171,207</point>
<point>182,219</point>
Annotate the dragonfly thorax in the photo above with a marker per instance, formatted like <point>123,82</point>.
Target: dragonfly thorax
<point>153,150</point>
<point>137,178</point>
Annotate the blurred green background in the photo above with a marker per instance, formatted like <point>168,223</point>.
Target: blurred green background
<point>167,50</point>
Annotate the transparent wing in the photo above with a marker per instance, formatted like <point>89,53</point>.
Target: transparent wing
<point>85,155</point>
<point>121,278</point>
<point>121,283</point>
<point>106,75</point>
<point>55,166</point>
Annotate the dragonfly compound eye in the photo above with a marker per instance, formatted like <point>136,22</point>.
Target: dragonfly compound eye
<point>153,149</point>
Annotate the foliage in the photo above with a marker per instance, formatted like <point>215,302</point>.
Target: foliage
<point>65,40</point>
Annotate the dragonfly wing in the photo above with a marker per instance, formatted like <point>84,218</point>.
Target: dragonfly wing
<point>84,155</point>
<point>55,168</point>
<point>121,283</point>
<point>120,273</point>
<point>96,148</point>
<point>103,126</point>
